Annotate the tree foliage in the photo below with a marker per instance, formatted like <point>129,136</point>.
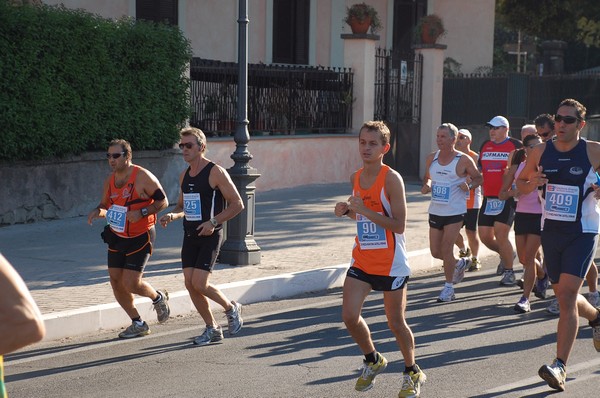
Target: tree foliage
<point>568,20</point>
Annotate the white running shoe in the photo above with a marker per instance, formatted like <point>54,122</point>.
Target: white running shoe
<point>459,269</point>
<point>446,295</point>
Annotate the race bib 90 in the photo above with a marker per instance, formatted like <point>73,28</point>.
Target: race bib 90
<point>370,235</point>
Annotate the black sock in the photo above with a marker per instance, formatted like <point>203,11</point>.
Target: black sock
<point>372,357</point>
<point>561,363</point>
<point>137,319</point>
<point>408,369</point>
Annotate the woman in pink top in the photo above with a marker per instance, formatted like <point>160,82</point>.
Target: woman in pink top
<point>527,223</point>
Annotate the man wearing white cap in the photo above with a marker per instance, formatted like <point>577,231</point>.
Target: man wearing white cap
<point>474,200</point>
<point>496,216</point>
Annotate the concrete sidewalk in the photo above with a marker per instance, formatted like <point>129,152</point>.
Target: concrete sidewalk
<point>304,248</point>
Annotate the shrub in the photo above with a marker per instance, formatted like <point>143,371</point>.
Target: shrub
<point>71,81</point>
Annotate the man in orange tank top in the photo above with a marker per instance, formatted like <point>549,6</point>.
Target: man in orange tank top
<point>21,323</point>
<point>379,258</point>
<point>132,196</point>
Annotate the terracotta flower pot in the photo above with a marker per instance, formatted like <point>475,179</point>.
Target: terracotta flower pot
<point>360,27</point>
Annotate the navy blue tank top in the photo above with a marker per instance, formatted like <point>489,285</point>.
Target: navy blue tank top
<point>567,204</point>
<point>200,201</point>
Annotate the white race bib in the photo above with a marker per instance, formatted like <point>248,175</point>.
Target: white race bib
<point>117,217</point>
<point>561,202</point>
<point>191,206</point>
<point>370,235</point>
<point>493,207</point>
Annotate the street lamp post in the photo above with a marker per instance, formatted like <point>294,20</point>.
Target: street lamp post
<point>240,248</point>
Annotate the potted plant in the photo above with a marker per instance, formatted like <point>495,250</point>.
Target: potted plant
<point>429,29</point>
<point>361,17</point>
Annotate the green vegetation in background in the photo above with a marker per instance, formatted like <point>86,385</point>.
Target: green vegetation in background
<point>71,81</point>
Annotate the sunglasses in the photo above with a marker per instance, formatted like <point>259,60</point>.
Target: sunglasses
<point>114,155</point>
<point>187,145</point>
<point>566,119</point>
<point>462,137</point>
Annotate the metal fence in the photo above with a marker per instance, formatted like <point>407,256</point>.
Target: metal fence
<point>281,99</point>
<point>397,86</point>
<point>474,99</point>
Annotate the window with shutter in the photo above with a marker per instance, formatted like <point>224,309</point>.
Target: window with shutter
<point>157,10</point>
<point>291,20</point>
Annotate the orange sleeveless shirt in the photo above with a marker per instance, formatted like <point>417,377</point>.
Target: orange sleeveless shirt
<point>377,251</point>
<point>128,198</point>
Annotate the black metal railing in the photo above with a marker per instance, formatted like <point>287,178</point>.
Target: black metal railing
<point>397,86</point>
<point>281,99</point>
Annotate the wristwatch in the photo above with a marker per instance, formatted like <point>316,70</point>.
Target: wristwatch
<point>144,211</point>
<point>214,222</point>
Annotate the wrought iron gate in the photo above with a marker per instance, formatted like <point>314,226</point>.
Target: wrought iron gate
<point>398,80</point>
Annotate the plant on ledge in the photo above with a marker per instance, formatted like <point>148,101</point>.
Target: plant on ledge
<point>429,29</point>
<point>361,17</point>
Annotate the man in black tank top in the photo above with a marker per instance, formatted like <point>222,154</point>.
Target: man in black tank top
<point>205,187</point>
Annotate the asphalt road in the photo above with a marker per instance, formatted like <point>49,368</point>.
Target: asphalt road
<point>473,347</point>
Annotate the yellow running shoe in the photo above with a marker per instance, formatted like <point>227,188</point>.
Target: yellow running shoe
<point>369,371</point>
<point>411,383</point>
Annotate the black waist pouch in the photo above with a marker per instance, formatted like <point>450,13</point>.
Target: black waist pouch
<point>108,236</point>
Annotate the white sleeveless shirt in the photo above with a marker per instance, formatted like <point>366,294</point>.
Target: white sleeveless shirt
<point>447,199</point>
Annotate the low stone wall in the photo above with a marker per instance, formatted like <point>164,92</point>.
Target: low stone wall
<point>72,187</point>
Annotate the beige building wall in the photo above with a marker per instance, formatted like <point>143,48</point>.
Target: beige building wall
<point>470,26</point>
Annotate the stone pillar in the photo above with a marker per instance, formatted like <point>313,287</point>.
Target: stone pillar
<point>359,54</point>
<point>431,98</point>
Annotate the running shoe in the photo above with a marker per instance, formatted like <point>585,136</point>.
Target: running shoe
<point>464,253</point>
<point>446,295</point>
<point>369,371</point>
<point>475,265</point>
<point>593,298</point>
<point>541,285</point>
<point>521,283</point>
<point>522,306</point>
<point>162,306</point>
<point>211,335</point>
<point>459,270</point>
<point>234,318</point>
<point>508,278</point>
<point>595,324</point>
<point>411,383</point>
<point>553,308</point>
<point>135,330</point>
<point>500,268</point>
<point>555,375</point>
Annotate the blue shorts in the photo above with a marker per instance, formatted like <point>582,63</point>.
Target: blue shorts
<point>568,253</point>
<point>378,282</point>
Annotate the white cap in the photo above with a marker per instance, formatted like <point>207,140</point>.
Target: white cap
<point>498,121</point>
<point>466,132</point>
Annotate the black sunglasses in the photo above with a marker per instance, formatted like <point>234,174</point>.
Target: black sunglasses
<point>566,119</point>
<point>114,155</point>
<point>187,145</point>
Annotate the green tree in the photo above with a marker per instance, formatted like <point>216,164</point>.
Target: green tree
<point>568,20</point>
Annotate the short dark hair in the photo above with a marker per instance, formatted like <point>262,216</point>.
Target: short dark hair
<point>543,119</point>
<point>579,108</point>
<point>380,127</point>
<point>125,146</point>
